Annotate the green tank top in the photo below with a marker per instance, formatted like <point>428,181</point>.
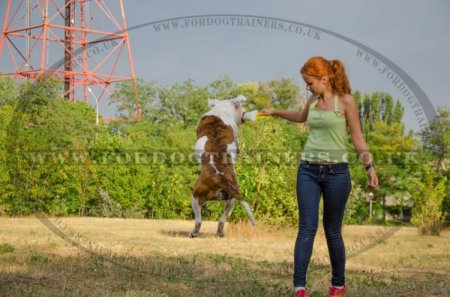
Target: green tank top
<point>327,140</point>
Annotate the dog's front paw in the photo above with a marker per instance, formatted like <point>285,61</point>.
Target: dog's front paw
<point>193,234</point>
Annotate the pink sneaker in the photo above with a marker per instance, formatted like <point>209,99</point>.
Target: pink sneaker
<point>301,293</point>
<point>336,292</point>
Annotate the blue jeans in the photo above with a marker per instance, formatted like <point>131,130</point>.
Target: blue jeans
<point>333,182</point>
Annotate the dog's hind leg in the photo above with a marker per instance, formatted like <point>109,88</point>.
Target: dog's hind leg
<point>229,205</point>
<point>198,217</point>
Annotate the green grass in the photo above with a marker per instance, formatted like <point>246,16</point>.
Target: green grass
<point>6,248</point>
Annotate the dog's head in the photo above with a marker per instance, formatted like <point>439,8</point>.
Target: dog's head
<point>232,106</point>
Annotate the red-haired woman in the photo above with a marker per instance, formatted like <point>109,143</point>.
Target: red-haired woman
<point>330,112</point>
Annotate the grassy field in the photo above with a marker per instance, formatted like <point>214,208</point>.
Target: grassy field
<point>124,257</point>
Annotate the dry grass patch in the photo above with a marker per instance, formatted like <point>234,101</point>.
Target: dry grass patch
<point>125,257</point>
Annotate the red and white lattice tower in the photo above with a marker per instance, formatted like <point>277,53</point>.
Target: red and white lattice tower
<point>83,42</point>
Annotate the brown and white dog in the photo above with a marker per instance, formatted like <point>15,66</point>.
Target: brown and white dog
<point>216,150</point>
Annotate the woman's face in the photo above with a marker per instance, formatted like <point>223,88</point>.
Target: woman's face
<point>314,85</point>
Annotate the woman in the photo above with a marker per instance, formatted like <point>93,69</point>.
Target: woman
<point>324,167</point>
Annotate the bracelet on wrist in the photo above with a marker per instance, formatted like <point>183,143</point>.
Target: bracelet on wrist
<point>368,166</point>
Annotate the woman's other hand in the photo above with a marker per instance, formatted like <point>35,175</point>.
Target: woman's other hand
<point>373,179</point>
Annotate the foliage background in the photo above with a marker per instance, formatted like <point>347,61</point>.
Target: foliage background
<point>55,160</point>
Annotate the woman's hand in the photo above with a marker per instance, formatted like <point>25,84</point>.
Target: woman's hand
<point>311,99</point>
<point>373,179</point>
<point>266,112</point>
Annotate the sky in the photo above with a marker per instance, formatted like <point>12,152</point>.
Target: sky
<point>260,40</point>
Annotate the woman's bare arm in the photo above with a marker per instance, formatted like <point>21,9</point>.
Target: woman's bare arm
<point>293,116</point>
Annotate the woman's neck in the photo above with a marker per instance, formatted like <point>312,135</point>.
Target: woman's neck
<point>326,96</point>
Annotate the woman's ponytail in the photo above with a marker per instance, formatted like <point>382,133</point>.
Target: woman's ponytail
<point>338,78</point>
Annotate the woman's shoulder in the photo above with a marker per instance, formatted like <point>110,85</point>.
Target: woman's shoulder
<point>348,103</point>
<point>347,100</point>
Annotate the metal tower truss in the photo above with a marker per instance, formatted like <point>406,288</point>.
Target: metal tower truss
<point>85,43</point>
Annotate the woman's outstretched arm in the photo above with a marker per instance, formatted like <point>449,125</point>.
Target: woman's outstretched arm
<point>293,116</point>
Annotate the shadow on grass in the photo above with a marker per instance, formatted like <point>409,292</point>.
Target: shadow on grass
<point>196,275</point>
<point>185,234</point>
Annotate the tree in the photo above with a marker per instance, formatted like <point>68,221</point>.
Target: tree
<point>222,88</point>
<point>8,90</point>
<point>45,152</point>
<point>258,95</point>
<point>384,131</point>
<point>376,107</point>
<point>278,93</point>
<point>428,192</point>
<point>183,103</point>
<point>285,93</point>
<point>390,148</point>
<point>126,94</point>
<point>436,137</point>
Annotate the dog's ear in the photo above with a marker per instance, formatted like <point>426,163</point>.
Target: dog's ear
<point>212,102</point>
<point>238,101</point>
